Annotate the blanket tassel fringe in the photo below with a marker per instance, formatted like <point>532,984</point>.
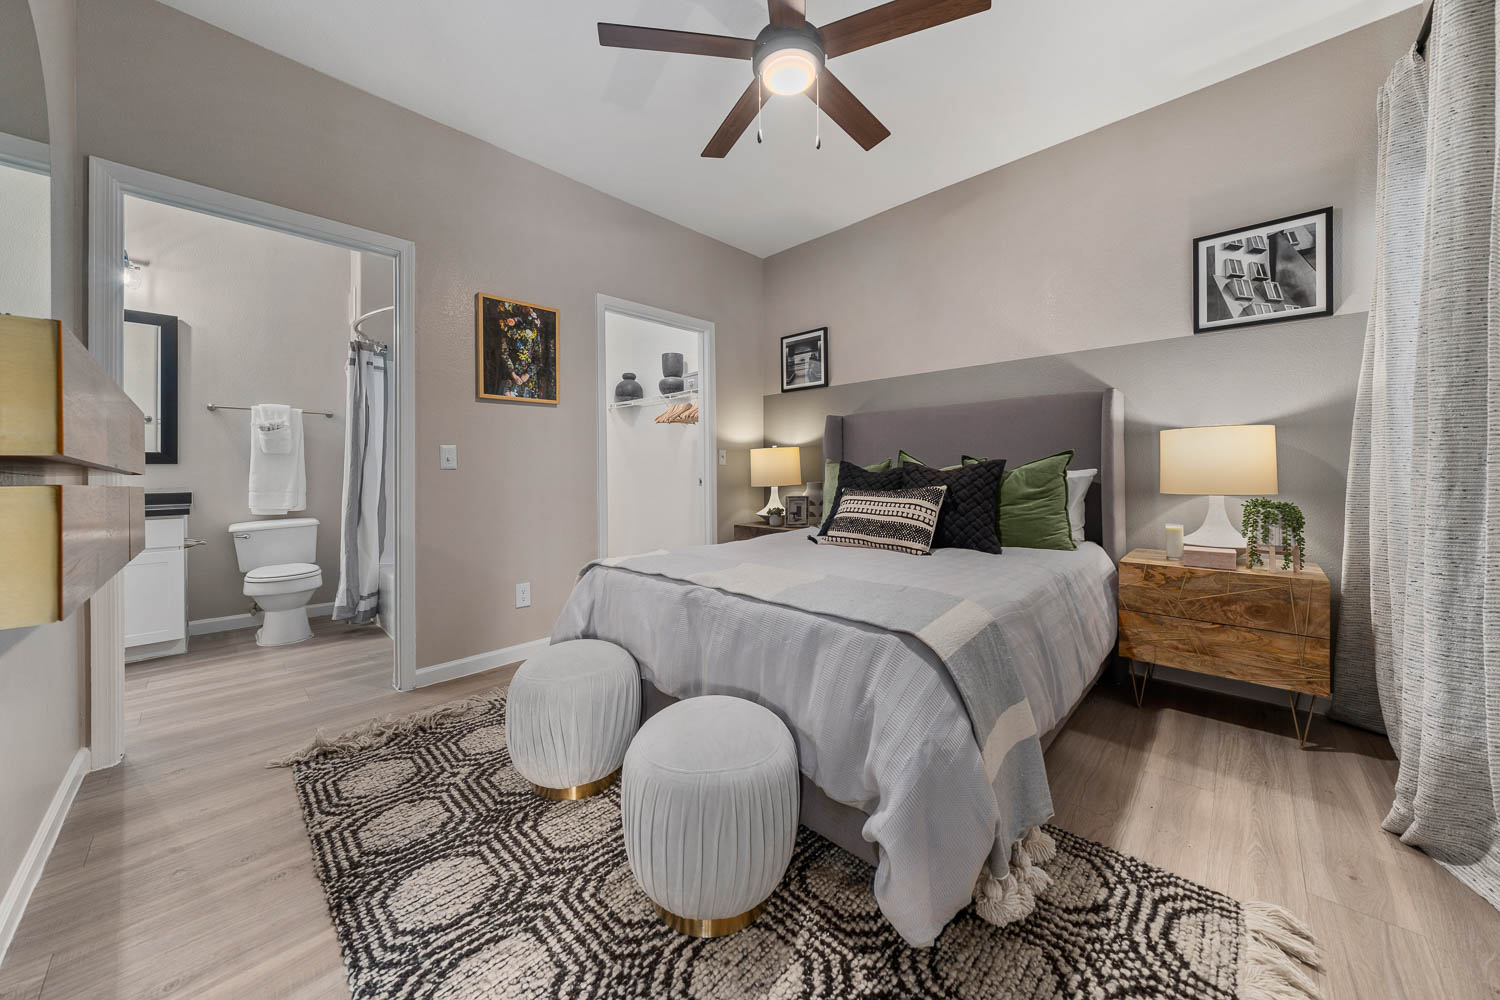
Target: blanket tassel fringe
<point>1012,897</point>
<point>1275,955</point>
<point>379,732</point>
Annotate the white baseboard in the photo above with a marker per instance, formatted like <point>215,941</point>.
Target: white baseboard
<point>207,626</point>
<point>439,672</point>
<point>18,893</point>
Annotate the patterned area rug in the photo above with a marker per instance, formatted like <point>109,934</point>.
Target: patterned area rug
<point>447,877</point>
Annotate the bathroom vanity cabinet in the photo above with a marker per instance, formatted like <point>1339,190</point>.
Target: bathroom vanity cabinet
<point>156,592</point>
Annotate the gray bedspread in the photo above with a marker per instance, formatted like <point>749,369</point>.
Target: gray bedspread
<point>909,682</point>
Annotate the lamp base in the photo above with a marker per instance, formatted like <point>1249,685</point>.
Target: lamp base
<point>775,501</point>
<point>1216,531</point>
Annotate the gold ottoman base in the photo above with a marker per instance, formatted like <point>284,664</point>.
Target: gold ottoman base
<point>710,928</point>
<point>578,791</point>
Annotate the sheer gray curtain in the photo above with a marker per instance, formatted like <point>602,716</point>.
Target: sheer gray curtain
<point>1419,634</point>
<point>362,531</point>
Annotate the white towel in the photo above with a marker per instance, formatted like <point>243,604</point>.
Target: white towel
<point>278,479</point>
<point>272,426</point>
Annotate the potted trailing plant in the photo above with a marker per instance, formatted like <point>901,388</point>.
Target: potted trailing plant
<point>775,516</point>
<point>1261,514</point>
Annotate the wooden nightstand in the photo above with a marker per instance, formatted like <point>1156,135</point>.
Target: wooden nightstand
<point>1267,626</point>
<point>756,528</point>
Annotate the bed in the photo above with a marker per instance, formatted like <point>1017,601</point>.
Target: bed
<point>894,767</point>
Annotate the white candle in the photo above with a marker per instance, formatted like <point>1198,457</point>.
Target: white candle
<point>1174,541</point>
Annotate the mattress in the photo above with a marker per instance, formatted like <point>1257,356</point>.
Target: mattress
<point>878,722</point>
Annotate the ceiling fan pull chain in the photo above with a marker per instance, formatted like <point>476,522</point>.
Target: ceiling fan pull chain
<point>760,102</point>
<point>818,99</point>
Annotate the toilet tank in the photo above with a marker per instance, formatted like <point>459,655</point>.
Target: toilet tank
<point>272,543</point>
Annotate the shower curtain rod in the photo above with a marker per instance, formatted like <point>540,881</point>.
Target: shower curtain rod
<point>226,406</point>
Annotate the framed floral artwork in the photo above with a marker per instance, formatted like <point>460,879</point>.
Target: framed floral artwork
<point>515,350</point>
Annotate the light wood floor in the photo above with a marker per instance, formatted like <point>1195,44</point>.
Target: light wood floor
<point>185,871</point>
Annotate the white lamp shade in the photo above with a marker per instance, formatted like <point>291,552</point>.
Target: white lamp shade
<point>1229,460</point>
<point>775,466</point>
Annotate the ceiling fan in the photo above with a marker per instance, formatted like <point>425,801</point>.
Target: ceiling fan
<point>790,55</point>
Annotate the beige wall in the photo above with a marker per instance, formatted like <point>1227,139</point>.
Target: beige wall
<point>1072,269</point>
<point>263,318</point>
<point>23,102</point>
<point>25,242</point>
<point>1088,244</point>
<point>163,91</point>
<point>43,680</point>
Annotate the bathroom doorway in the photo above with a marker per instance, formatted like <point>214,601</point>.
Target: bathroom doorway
<point>657,465</point>
<point>253,317</point>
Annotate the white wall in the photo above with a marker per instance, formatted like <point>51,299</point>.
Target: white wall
<point>25,242</point>
<point>655,500</point>
<point>263,318</point>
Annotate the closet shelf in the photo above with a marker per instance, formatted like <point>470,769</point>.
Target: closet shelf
<point>686,396</point>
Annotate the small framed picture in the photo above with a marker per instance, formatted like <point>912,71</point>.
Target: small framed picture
<point>1268,273</point>
<point>796,512</point>
<point>804,360</point>
<point>515,350</point>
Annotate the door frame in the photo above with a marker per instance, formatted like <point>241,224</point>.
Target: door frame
<point>109,183</point>
<point>707,399</point>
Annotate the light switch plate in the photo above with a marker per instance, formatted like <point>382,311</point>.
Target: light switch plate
<point>523,595</point>
<point>723,457</point>
<point>447,456</point>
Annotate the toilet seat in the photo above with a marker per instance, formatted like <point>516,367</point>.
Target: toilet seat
<point>283,573</point>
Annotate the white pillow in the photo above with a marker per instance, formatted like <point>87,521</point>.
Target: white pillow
<point>1078,488</point>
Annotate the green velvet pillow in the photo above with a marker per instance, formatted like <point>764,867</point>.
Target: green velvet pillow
<point>831,482</point>
<point>1034,503</point>
<point>903,457</point>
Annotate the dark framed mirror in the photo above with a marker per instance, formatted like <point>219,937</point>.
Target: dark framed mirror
<point>150,379</point>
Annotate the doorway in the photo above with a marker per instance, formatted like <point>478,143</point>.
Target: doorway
<point>657,468</point>
<point>353,254</point>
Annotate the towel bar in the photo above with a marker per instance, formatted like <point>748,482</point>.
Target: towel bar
<point>225,406</point>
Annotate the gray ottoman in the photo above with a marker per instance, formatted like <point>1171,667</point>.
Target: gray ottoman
<point>569,715</point>
<point>708,796</point>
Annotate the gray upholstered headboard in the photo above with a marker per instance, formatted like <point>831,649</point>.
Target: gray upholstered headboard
<point>1017,430</point>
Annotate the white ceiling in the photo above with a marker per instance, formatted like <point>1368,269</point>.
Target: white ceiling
<point>959,99</point>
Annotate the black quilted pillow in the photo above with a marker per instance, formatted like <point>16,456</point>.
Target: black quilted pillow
<point>967,520</point>
<point>857,479</point>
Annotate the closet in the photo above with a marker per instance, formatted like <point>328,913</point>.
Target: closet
<point>653,427</point>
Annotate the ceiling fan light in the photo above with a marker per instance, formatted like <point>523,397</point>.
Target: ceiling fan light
<point>788,71</point>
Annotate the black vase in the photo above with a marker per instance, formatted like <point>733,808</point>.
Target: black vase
<point>671,365</point>
<point>670,385</point>
<point>628,388</point>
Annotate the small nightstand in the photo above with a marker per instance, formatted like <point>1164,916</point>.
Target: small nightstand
<point>1266,625</point>
<point>754,529</point>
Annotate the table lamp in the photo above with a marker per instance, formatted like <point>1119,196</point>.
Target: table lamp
<point>775,467</point>
<point>1233,459</point>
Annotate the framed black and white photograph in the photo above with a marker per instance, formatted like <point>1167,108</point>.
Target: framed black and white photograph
<point>804,360</point>
<point>1267,273</point>
<point>796,512</point>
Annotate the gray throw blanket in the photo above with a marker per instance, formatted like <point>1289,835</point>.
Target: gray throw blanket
<point>968,641</point>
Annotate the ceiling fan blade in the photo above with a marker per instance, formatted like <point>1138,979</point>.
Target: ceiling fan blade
<point>892,20</point>
<point>849,112</point>
<point>787,13</point>
<point>740,117</point>
<point>631,36</point>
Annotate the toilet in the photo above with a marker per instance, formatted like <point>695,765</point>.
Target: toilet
<point>276,558</point>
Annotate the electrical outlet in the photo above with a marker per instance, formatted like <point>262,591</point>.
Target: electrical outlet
<point>523,595</point>
<point>723,457</point>
<point>447,456</point>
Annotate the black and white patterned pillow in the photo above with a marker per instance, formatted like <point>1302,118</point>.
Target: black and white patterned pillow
<point>899,520</point>
<point>855,479</point>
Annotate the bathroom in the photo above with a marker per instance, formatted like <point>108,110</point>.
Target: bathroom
<point>246,509</point>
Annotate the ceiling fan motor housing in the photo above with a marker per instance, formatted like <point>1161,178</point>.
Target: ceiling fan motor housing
<point>772,40</point>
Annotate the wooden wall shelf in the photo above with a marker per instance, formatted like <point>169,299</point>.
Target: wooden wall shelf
<point>58,404</point>
<point>61,544</point>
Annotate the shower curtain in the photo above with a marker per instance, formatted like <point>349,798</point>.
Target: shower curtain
<point>362,533</point>
<point>1419,633</point>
